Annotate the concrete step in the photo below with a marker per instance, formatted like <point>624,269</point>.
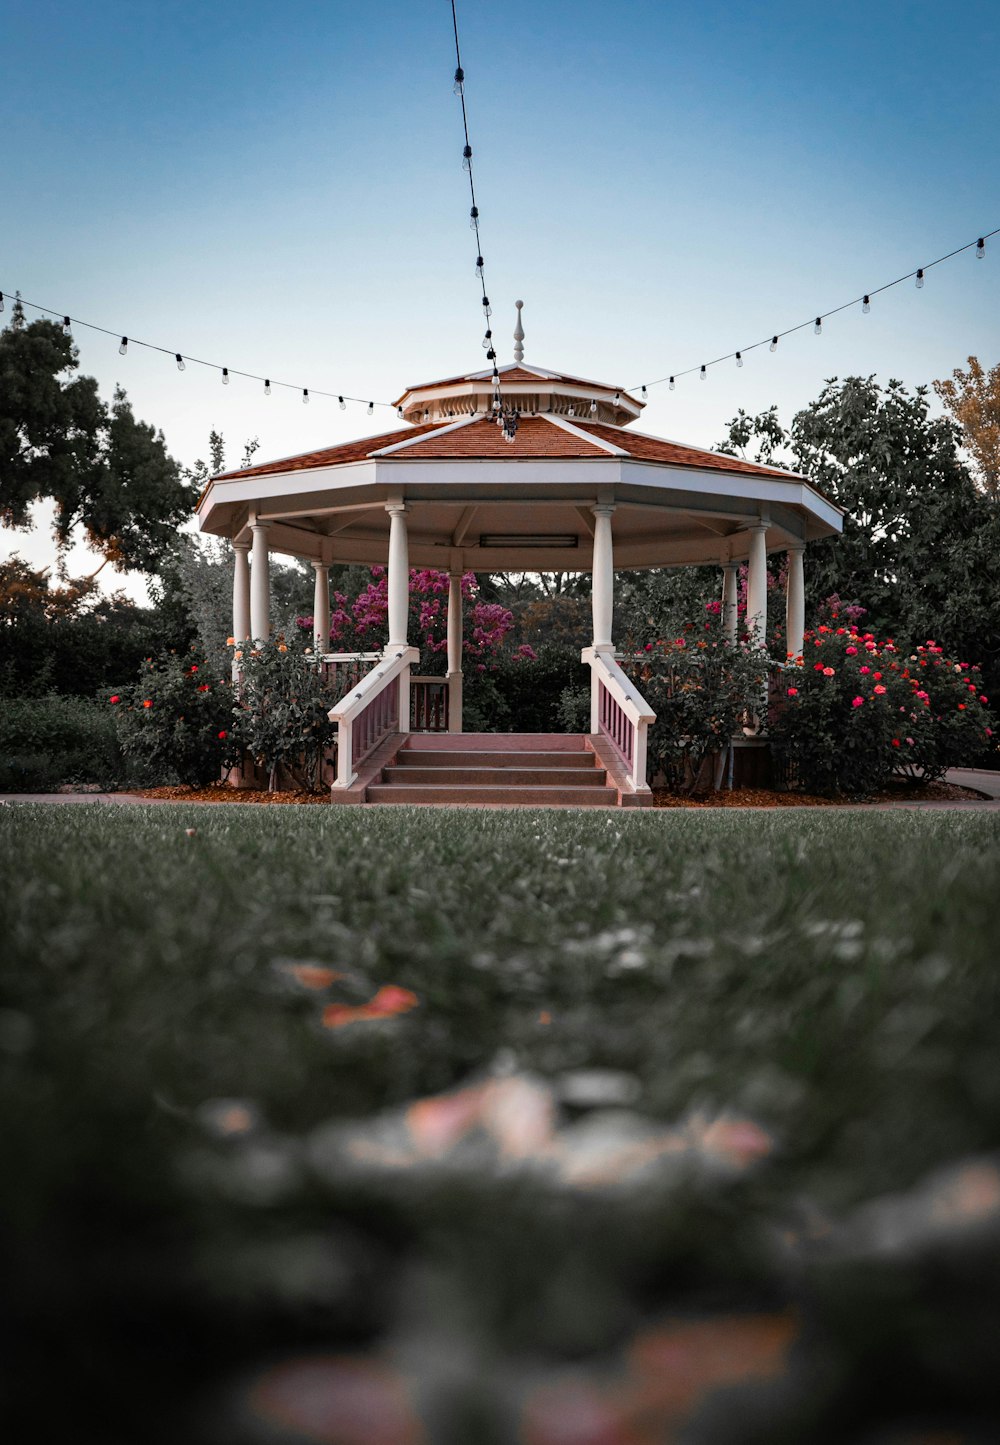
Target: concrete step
<point>506,776</point>
<point>491,742</point>
<point>497,758</point>
<point>574,797</point>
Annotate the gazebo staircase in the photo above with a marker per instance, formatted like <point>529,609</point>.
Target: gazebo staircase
<point>486,768</point>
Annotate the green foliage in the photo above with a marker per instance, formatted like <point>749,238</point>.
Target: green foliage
<point>702,688</point>
<point>511,693</point>
<point>281,711</point>
<point>175,723</point>
<point>856,711</point>
<point>49,741</point>
<point>832,976</point>
<point>105,471</point>
<point>71,640</point>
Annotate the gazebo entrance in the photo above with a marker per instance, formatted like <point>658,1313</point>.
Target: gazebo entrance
<point>572,491</point>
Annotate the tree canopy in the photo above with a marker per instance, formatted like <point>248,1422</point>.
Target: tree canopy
<point>973,398</point>
<point>106,471</point>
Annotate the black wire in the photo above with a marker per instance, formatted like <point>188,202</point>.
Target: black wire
<point>475,205</point>
<point>197,360</point>
<point>790,330</point>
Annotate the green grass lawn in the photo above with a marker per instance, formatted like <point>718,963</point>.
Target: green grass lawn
<point>201,1178</point>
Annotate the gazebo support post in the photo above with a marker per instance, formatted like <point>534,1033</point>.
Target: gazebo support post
<point>454,652</point>
<point>260,584</point>
<point>321,608</point>
<point>398,587</point>
<point>795,601</point>
<point>602,597</point>
<point>729,601</point>
<point>757,586</point>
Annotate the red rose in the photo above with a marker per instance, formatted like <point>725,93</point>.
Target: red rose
<point>148,702</point>
<point>116,698</point>
<point>223,734</point>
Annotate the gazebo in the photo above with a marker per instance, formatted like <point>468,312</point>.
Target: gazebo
<point>572,490</point>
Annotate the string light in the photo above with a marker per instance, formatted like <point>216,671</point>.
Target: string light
<point>980,253</point>
<point>180,359</point>
<point>673,384</point>
<point>645,393</point>
<point>618,397</point>
<point>371,408</point>
<point>704,372</point>
<point>505,416</point>
<point>818,327</point>
<point>979,245</point>
<point>593,408</point>
<point>305,396</point>
<point>225,376</point>
<point>739,358</point>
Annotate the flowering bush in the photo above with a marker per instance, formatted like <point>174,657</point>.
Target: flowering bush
<point>702,688</point>
<point>280,718</point>
<point>855,710</point>
<point>362,624</point>
<point>175,721</point>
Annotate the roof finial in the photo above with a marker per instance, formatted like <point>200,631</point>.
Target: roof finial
<point>518,334</point>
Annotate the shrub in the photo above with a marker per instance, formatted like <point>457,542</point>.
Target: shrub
<point>281,711</point>
<point>48,741</point>
<point>702,689</point>
<point>176,722</point>
<point>521,691</point>
<point>856,710</point>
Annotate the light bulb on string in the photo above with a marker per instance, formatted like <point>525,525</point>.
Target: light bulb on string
<point>645,393</point>
<point>480,263</point>
<point>704,372</point>
<point>399,411</point>
<point>487,308</point>
<point>343,403</point>
<point>818,326</point>
<point>267,387</point>
<point>225,376</point>
<point>618,397</point>
<point>459,78</point>
<point>474,217</point>
<point>466,158</point>
<point>371,408</point>
<point>672,385</point>
<point>774,343</point>
<point>486,340</point>
<point>739,358</point>
<point>919,279</point>
<point>427,415</point>
<point>866,304</point>
<point>571,411</point>
<point>180,361</point>
<point>305,396</point>
<point>122,350</point>
<point>980,253</point>
<point>1,300</point>
<point>593,408</point>
<point>65,325</point>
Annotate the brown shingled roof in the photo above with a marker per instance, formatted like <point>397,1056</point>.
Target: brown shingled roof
<point>537,436</point>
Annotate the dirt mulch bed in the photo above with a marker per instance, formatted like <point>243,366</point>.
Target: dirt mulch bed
<point>902,792</point>
<point>739,798</point>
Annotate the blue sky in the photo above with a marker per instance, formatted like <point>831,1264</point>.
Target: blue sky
<point>279,189</point>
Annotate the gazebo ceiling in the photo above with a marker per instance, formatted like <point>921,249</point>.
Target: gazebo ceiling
<point>478,501</point>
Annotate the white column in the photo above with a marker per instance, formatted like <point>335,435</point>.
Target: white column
<point>795,601</point>
<point>729,601</point>
<point>260,585</point>
<point>454,652</point>
<point>241,591</point>
<point>321,607</point>
<point>399,575</point>
<point>757,586</point>
<point>603,577</point>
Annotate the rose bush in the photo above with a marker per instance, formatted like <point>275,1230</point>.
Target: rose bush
<point>280,717</point>
<point>174,722</point>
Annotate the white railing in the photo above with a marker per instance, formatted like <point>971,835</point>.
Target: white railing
<point>620,713</point>
<point>377,706</point>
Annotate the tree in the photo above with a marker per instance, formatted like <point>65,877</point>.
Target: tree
<point>973,398</point>
<point>105,471</point>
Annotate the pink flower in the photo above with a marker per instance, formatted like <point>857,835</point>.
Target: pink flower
<point>793,692</point>
<point>851,651</point>
<point>828,671</point>
<point>858,702</point>
<point>983,700</point>
<point>116,698</point>
<point>866,669</point>
<point>910,741</point>
<point>880,689</point>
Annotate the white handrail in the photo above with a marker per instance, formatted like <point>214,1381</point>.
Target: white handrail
<point>619,712</point>
<point>390,667</point>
